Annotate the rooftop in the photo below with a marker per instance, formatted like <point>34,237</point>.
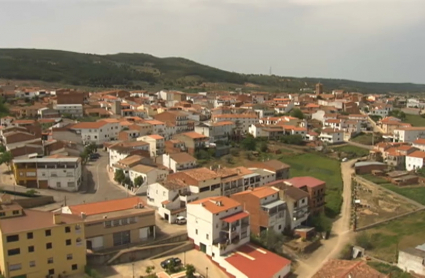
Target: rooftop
<point>217,204</point>
<point>342,269</point>
<point>260,192</point>
<point>182,157</point>
<point>305,181</point>
<point>417,154</point>
<point>255,262</point>
<point>106,206</point>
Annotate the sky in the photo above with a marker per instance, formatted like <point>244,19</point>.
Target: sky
<point>366,40</point>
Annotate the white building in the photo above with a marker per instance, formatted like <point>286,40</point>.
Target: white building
<point>119,151</point>
<point>179,161</point>
<point>381,110</point>
<point>219,131</point>
<point>219,227</point>
<point>415,103</point>
<point>242,121</point>
<point>409,134</point>
<point>98,132</point>
<point>332,136</point>
<point>419,144</point>
<point>149,174</point>
<point>62,173</point>
<point>415,160</point>
<point>156,144</point>
<point>75,110</point>
<point>412,260</point>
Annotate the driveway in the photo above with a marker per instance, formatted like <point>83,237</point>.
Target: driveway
<point>198,259</point>
<point>341,232</point>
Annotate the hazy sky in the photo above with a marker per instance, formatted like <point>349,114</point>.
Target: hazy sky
<point>369,40</point>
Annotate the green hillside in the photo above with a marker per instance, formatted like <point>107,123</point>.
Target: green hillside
<point>137,71</point>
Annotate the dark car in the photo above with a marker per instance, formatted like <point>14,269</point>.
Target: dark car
<point>164,264</point>
<point>94,156</point>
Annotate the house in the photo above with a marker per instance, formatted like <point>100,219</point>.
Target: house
<point>265,208</point>
<point>237,179</point>
<point>389,124</point>
<point>98,132</point>
<point>178,118</point>
<point>366,167</point>
<point>128,135</point>
<point>419,144</point>
<point>415,160</point>
<point>409,134</point>
<point>156,144</point>
<point>179,161</point>
<point>381,110</point>
<point>331,136</point>
<point>114,223</point>
<point>396,156</point>
<point>149,174</point>
<point>280,169</point>
<point>412,260</point>
<point>40,243</point>
<point>121,150</point>
<point>343,268</point>
<point>316,190</point>
<point>56,172</point>
<point>193,141</point>
<point>219,131</point>
<point>219,227</point>
<point>296,202</point>
<point>242,121</point>
<point>73,110</point>
<point>174,146</point>
<point>267,131</point>
<point>127,163</point>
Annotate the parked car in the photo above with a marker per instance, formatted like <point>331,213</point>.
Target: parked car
<point>344,159</point>
<point>94,156</point>
<point>181,220</point>
<point>177,261</point>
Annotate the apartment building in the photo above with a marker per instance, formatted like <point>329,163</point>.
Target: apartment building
<point>114,223</point>
<point>98,132</point>
<point>178,118</point>
<point>331,136</point>
<point>266,210</point>
<point>193,141</point>
<point>156,144</point>
<point>40,243</point>
<point>409,134</point>
<point>242,121</point>
<point>315,188</point>
<point>219,131</point>
<point>237,179</point>
<point>280,169</point>
<point>73,110</point>
<point>179,161</point>
<point>157,127</point>
<point>220,227</point>
<point>56,172</point>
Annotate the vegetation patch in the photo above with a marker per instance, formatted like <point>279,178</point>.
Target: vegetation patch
<point>350,151</point>
<point>393,271</point>
<point>415,120</point>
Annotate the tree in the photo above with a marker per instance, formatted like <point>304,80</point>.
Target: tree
<point>190,271</point>
<point>119,176</point>
<point>171,267</point>
<point>292,139</point>
<point>321,223</point>
<point>297,113</point>
<point>6,158</point>
<point>249,143</point>
<point>138,181</point>
<point>2,148</point>
<point>127,181</point>
<point>272,240</point>
<point>263,147</point>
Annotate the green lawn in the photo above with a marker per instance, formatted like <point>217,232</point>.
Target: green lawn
<point>414,120</point>
<point>415,193</point>
<point>323,168</point>
<point>366,139</point>
<point>352,151</point>
<point>396,235</point>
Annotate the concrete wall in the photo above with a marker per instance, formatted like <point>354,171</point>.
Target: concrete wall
<point>408,262</point>
<point>35,201</point>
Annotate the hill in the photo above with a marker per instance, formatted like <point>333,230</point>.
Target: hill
<point>142,71</point>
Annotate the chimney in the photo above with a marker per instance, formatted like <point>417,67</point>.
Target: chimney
<point>83,215</point>
<point>57,218</point>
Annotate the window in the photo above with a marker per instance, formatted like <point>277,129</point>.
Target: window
<point>30,235</point>
<point>67,229</point>
<point>48,232</point>
<point>58,184</point>
<point>74,267</point>
<point>51,271</point>
<point>71,184</point>
<point>50,260</point>
<point>108,224</point>
<point>15,212</point>
<point>69,257</point>
<point>13,267</point>
<point>196,231</point>
<point>68,242</point>
<point>12,238</point>
<point>32,263</point>
<point>30,249</point>
<point>2,214</point>
<point>77,227</point>
<point>49,245</point>
<point>13,252</point>
<point>208,236</point>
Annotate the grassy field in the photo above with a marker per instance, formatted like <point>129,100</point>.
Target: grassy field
<point>414,120</point>
<point>323,168</point>
<point>366,139</point>
<point>416,193</point>
<point>388,269</point>
<point>388,238</point>
<point>352,151</point>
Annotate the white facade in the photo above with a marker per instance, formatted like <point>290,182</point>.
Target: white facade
<point>216,132</point>
<point>150,175</point>
<point>408,135</point>
<point>75,110</point>
<point>170,163</point>
<point>415,161</point>
<point>415,103</point>
<point>412,262</point>
<point>332,137</point>
<point>244,120</point>
<point>98,135</point>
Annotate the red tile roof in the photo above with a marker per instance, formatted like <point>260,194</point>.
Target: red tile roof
<point>106,206</point>
<point>235,217</point>
<point>305,181</point>
<point>417,154</point>
<point>419,141</point>
<point>255,262</point>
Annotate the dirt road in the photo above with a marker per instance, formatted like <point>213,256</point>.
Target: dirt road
<point>341,233</point>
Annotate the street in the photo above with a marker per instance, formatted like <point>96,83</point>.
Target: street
<point>341,232</point>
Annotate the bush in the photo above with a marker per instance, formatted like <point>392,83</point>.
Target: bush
<point>234,152</point>
<point>364,240</point>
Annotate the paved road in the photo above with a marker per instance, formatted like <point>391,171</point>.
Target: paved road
<point>96,186</point>
<point>367,147</point>
<point>341,232</point>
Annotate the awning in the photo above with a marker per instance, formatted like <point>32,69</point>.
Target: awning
<point>235,217</point>
<point>274,204</point>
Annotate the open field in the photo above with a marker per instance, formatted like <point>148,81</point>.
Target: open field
<point>323,168</point>
<point>387,269</point>
<point>351,151</point>
<point>388,238</point>
<point>416,192</point>
<point>366,139</point>
<point>377,205</point>
<point>414,120</point>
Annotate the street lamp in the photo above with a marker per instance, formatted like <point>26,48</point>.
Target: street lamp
<point>133,268</point>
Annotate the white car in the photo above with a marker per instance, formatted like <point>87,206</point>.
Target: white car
<point>181,220</point>
<point>344,159</point>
